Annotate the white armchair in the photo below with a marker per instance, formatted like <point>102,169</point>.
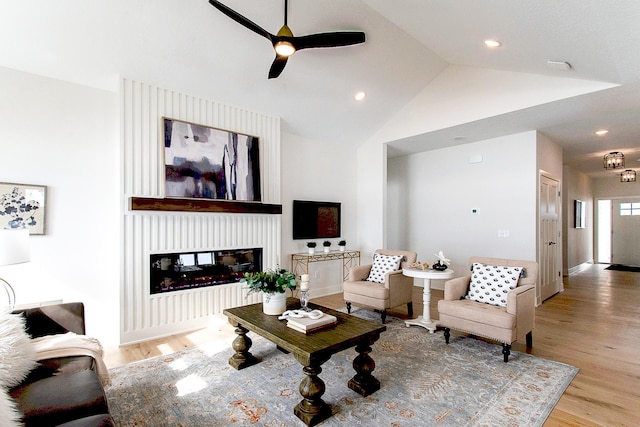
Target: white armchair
<point>505,324</point>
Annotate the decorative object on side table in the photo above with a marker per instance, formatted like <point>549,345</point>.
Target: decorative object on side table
<point>442,263</point>
<point>421,265</point>
<point>273,284</point>
<point>342,244</point>
<point>327,245</point>
<point>304,292</point>
<point>312,247</point>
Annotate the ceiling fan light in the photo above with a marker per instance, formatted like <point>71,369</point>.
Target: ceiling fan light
<point>284,48</point>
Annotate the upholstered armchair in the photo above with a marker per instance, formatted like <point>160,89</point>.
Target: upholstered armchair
<point>478,305</point>
<point>381,285</point>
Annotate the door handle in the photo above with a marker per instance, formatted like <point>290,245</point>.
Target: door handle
<point>552,243</point>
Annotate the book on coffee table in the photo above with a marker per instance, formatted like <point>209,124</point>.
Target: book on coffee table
<point>306,324</point>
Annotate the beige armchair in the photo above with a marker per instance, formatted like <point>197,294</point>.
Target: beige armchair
<point>505,324</point>
<point>395,290</point>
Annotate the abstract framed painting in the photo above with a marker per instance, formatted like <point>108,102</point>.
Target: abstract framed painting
<point>23,206</point>
<point>203,162</point>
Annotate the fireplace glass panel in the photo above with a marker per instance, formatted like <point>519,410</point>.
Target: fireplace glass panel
<point>188,270</point>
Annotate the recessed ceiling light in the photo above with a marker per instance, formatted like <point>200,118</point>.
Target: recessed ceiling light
<point>492,43</point>
<point>601,132</point>
<point>360,96</point>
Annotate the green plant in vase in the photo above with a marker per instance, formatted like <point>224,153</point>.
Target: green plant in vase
<point>270,281</point>
<point>273,283</point>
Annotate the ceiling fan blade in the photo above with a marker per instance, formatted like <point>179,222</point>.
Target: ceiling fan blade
<point>336,39</point>
<point>241,19</point>
<point>277,66</point>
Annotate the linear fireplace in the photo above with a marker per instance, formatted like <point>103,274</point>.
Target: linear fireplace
<point>196,269</point>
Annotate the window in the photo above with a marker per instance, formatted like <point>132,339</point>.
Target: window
<point>629,209</point>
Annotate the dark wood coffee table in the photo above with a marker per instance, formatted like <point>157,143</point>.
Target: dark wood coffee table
<point>310,350</point>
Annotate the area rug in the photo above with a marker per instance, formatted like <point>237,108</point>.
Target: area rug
<point>423,382</point>
<point>620,267</point>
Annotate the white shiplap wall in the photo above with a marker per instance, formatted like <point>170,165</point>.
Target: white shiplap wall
<point>144,316</point>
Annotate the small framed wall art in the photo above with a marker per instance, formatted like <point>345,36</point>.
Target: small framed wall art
<point>579,210</point>
<point>202,162</point>
<point>23,206</point>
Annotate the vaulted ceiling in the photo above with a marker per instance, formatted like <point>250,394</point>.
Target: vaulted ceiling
<point>411,47</point>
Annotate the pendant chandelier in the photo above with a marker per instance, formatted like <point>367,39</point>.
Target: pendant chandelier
<point>614,160</point>
<point>628,175</point>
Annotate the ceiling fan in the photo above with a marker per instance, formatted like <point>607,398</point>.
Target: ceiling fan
<point>285,43</point>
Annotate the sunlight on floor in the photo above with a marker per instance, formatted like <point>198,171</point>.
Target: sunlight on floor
<point>190,384</point>
<point>178,365</point>
<point>219,333</point>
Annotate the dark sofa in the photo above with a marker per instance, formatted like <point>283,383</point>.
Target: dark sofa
<point>63,391</point>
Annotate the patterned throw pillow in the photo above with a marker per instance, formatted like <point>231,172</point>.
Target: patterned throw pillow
<point>382,264</point>
<point>491,283</point>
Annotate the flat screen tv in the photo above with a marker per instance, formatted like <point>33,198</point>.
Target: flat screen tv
<point>316,220</point>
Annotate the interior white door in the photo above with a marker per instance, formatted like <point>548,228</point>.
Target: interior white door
<point>550,274</point>
<point>625,236</point>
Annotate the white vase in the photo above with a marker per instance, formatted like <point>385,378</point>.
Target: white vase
<point>341,248</point>
<point>312,251</point>
<point>327,249</point>
<point>274,303</point>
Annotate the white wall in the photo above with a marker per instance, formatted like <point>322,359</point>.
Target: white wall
<point>611,187</point>
<point>65,136</point>
<point>316,170</point>
<point>441,187</point>
<point>578,242</point>
<point>549,157</point>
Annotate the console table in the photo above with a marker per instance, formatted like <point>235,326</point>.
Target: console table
<point>300,262</point>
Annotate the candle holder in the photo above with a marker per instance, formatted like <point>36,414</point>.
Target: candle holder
<point>304,300</point>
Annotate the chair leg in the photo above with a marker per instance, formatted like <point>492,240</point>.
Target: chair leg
<point>410,308</point>
<point>506,350</point>
<point>348,307</point>
<point>447,334</point>
<point>384,316</point>
<point>529,340</point>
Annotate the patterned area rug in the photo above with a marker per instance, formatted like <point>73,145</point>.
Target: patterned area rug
<point>423,382</point>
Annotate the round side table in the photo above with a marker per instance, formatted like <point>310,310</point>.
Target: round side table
<point>426,275</point>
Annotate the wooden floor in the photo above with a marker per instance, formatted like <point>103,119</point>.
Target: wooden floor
<point>593,325</point>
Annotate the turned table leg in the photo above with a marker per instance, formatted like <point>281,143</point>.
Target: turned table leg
<point>242,357</point>
<point>312,409</point>
<point>363,382</point>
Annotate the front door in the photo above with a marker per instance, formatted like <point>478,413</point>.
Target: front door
<point>550,275</point>
<point>625,236</point>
